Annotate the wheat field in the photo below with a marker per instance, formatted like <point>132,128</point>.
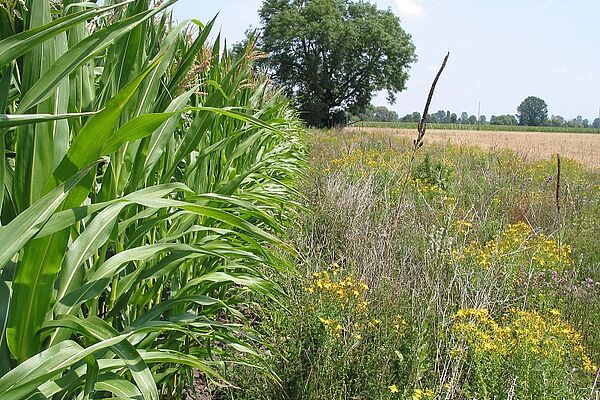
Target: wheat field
<point>582,147</point>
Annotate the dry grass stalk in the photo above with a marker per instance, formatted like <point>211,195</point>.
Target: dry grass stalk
<point>558,190</point>
<point>421,129</point>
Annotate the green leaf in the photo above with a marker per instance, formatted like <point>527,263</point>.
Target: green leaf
<point>137,128</point>
<point>82,52</point>
<point>15,46</point>
<point>119,387</point>
<point>21,229</point>
<point>92,238</point>
<point>100,330</point>
<point>14,120</point>
<point>51,363</point>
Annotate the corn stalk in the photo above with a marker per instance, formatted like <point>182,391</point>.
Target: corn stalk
<point>146,179</point>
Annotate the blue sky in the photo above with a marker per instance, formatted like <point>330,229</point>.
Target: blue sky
<point>501,51</point>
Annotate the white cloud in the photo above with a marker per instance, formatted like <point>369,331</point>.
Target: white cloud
<point>588,77</point>
<point>562,70</point>
<point>410,8</point>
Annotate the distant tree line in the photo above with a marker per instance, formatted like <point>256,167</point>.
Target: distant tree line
<point>533,111</point>
<point>378,114</point>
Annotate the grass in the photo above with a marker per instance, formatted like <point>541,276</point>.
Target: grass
<point>147,178</point>
<point>476,127</point>
<point>463,284</point>
<point>531,146</point>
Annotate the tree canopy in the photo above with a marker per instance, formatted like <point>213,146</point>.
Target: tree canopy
<point>332,55</point>
<point>379,114</point>
<point>507,119</point>
<point>532,111</point>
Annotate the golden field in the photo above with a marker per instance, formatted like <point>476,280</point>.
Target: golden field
<point>582,147</point>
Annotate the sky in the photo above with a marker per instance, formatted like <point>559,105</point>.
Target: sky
<point>500,51</point>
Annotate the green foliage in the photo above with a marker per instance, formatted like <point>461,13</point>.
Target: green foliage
<point>434,173</point>
<point>333,343</point>
<point>334,54</point>
<point>147,178</point>
<point>378,114</point>
<point>503,120</point>
<point>532,111</point>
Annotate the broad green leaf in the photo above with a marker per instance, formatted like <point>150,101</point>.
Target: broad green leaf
<point>67,218</point>
<point>137,128</point>
<point>96,281</point>
<point>92,238</point>
<point>14,120</point>
<point>5,294</point>
<point>81,53</point>
<point>15,46</point>
<point>159,139</point>
<point>118,386</point>
<point>49,364</point>
<point>16,234</point>
<point>101,331</point>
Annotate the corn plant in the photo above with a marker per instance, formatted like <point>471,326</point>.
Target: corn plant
<point>147,177</point>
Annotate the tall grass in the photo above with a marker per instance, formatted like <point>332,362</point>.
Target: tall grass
<point>146,179</point>
<point>476,293</point>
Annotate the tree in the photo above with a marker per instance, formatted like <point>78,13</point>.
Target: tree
<point>503,120</point>
<point>383,114</point>
<point>464,118</point>
<point>332,54</point>
<point>596,123</point>
<point>532,111</point>
<point>414,117</point>
<point>556,120</point>
<point>472,120</point>
<point>440,116</point>
<point>575,122</point>
<point>379,114</point>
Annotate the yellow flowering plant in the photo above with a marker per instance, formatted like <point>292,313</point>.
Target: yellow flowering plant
<point>520,246</point>
<point>539,352</point>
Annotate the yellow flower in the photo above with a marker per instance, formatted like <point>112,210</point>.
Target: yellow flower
<point>393,388</point>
